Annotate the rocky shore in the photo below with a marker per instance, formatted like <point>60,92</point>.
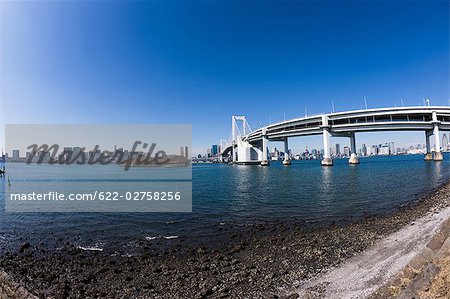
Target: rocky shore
<point>427,275</point>
<point>253,262</point>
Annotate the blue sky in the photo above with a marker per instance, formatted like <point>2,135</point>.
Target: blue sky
<point>201,62</point>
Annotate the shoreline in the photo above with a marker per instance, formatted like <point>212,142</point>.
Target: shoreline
<point>427,275</point>
<point>363,274</point>
<point>264,260</point>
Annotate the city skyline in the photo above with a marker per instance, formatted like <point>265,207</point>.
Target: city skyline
<point>384,148</point>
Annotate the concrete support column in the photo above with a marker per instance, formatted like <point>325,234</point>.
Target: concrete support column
<point>437,143</point>
<point>353,155</point>
<point>428,155</point>
<point>326,161</point>
<point>287,159</point>
<point>265,159</point>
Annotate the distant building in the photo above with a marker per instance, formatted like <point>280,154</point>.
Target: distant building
<point>214,150</point>
<point>337,149</point>
<point>275,154</point>
<point>77,151</point>
<point>43,156</point>
<point>402,150</point>
<point>184,152</point>
<point>15,156</point>
<point>391,148</point>
<point>364,150</point>
<point>373,150</point>
<point>346,151</point>
<point>95,155</point>
<point>384,149</point>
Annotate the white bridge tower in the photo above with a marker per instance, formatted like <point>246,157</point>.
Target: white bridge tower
<point>242,151</point>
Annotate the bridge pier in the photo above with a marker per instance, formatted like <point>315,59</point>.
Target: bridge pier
<point>265,159</point>
<point>287,159</point>
<point>353,155</point>
<point>428,155</point>
<point>437,142</point>
<point>326,161</point>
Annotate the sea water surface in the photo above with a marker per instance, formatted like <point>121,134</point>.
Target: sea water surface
<point>238,195</point>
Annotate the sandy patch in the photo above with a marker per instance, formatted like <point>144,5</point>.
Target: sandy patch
<point>364,273</point>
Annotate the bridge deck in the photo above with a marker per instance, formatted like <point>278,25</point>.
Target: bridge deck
<point>383,119</point>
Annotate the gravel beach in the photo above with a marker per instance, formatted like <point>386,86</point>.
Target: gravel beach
<point>256,261</point>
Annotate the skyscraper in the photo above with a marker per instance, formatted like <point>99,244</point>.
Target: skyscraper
<point>391,148</point>
<point>184,151</point>
<point>364,149</point>
<point>337,149</point>
<point>214,150</point>
<point>15,155</point>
